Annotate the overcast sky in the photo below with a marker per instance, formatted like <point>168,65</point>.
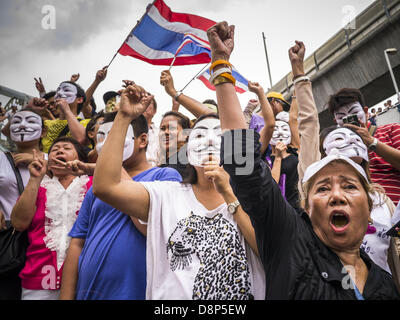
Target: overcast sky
<point>89,32</point>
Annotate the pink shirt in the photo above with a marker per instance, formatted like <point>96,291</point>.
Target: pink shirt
<point>48,232</point>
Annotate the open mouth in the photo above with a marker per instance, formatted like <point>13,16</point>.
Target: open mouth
<point>339,221</point>
<point>61,158</point>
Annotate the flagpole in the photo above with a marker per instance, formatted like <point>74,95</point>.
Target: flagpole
<point>195,76</point>
<point>138,22</point>
<point>266,54</point>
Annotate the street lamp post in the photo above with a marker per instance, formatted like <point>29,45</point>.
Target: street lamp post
<point>392,51</point>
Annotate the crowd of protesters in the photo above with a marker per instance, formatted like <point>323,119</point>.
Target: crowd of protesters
<point>232,204</point>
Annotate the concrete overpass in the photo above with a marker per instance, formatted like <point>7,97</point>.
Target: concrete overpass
<point>355,58</point>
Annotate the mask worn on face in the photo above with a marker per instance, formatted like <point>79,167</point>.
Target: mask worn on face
<point>204,140</point>
<point>25,126</point>
<point>354,108</point>
<point>347,143</point>
<point>281,133</point>
<point>102,134</point>
<point>67,91</point>
<point>110,106</point>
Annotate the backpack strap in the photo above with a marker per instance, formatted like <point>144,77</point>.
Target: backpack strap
<point>16,172</point>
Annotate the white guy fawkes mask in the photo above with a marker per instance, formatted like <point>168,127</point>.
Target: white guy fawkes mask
<point>354,108</point>
<point>25,126</point>
<point>67,91</point>
<point>283,116</point>
<point>102,135</point>
<point>204,140</point>
<point>347,143</point>
<point>281,133</point>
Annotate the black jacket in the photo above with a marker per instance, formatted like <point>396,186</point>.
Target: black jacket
<point>297,264</point>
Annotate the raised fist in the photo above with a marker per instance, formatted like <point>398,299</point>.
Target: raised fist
<point>101,74</point>
<point>75,77</point>
<point>221,38</point>
<point>134,101</point>
<point>296,56</point>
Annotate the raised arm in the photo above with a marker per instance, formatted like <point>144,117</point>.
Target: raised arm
<point>40,87</point>
<point>100,76</point>
<point>268,115</point>
<point>388,153</point>
<point>126,196</point>
<point>77,130</point>
<point>308,121</point>
<point>294,124</point>
<point>272,217</point>
<point>25,208</point>
<point>195,107</point>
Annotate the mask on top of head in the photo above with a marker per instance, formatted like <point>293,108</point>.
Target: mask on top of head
<point>345,142</point>
<point>67,91</point>
<point>102,134</point>
<point>204,140</point>
<point>283,116</point>
<point>25,126</point>
<point>354,108</point>
<point>281,133</point>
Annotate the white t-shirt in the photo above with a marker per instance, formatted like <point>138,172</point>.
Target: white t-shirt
<point>376,245</point>
<point>8,185</point>
<point>194,253</point>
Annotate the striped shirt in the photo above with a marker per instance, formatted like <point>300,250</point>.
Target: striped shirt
<point>383,172</point>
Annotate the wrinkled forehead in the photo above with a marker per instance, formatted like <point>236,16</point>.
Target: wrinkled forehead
<point>209,124</point>
<point>67,86</point>
<point>25,115</point>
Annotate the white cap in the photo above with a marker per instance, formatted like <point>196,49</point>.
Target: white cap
<point>317,166</point>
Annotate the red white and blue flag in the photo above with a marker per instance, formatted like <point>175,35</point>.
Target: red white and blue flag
<point>162,36</point>
<point>241,85</point>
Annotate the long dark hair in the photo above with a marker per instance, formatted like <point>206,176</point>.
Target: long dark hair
<point>190,174</point>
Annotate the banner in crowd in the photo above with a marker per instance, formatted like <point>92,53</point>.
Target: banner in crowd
<point>241,85</point>
<point>162,35</point>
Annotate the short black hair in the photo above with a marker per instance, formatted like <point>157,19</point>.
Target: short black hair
<point>78,147</point>
<point>139,125</point>
<point>344,97</point>
<point>210,101</point>
<point>49,95</point>
<point>91,124</point>
<point>80,94</point>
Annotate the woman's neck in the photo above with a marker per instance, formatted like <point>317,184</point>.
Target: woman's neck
<point>66,180</point>
<point>349,257</point>
<point>28,148</point>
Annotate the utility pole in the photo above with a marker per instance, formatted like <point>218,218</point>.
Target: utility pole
<point>266,55</point>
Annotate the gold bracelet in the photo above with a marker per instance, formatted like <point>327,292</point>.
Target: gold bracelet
<point>220,80</point>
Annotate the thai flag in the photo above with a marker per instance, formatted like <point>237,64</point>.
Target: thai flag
<point>162,35</point>
<point>241,85</point>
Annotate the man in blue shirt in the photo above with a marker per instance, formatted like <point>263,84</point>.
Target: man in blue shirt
<point>106,259</point>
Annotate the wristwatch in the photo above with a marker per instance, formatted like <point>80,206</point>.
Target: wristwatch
<point>178,94</point>
<point>373,145</point>
<point>232,207</point>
